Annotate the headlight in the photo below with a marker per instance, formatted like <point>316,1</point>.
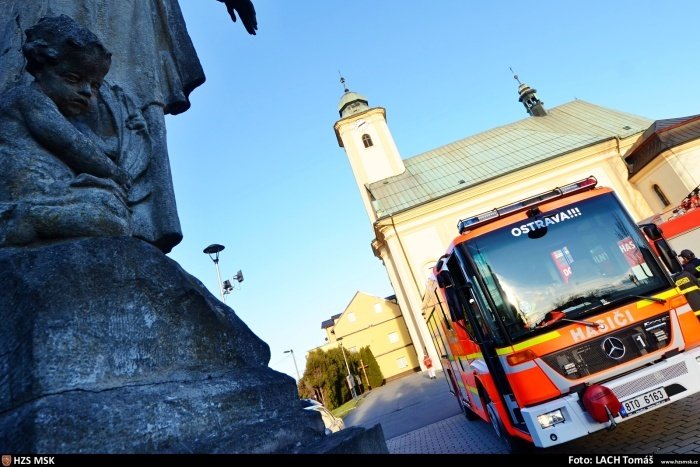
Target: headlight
<point>550,418</point>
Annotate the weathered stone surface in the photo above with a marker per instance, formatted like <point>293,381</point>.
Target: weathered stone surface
<point>352,440</point>
<point>110,346</point>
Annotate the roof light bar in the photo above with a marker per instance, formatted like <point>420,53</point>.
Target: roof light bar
<point>576,187</point>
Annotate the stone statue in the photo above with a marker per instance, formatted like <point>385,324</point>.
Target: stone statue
<point>153,69</point>
<point>58,181</point>
<point>111,347</point>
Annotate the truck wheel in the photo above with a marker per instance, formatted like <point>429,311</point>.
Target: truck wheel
<point>513,445</point>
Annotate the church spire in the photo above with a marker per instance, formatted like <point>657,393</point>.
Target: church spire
<point>351,102</point>
<point>533,105</point>
<point>342,83</point>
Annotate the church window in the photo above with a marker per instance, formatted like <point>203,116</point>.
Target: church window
<point>661,195</point>
<point>367,140</point>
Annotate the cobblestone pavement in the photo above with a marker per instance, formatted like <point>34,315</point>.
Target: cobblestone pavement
<point>674,429</point>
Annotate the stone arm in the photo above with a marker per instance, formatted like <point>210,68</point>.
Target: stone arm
<point>246,11</point>
<point>51,129</point>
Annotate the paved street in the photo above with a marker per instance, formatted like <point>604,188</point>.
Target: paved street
<point>420,416</point>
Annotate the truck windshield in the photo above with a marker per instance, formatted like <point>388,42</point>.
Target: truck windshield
<point>574,260</point>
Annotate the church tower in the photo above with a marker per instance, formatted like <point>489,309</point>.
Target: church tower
<point>363,132</point>
<point>533,105</point>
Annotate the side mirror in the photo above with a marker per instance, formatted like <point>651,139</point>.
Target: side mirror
<point>652,231</point>
<point>662,247</point>
<point>444,279</point>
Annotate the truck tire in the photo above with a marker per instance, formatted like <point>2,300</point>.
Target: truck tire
<point>513,445</point>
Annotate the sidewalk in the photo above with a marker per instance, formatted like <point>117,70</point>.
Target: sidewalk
<point>454,435</point>
<point>420,416</point>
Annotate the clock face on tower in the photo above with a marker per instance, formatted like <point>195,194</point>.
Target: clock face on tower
<point>362,129</point>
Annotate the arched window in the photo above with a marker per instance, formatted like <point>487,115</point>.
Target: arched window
<point>367,140</point>
<point>661,195</point>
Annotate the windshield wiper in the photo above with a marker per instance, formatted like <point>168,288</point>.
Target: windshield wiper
<point>582,301</point>
<point>627,298</point>
<point>652,299</point>
<point>556,315</point>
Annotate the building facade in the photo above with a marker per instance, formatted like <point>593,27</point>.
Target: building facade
<point>414,204</point>
<point>378,323</point>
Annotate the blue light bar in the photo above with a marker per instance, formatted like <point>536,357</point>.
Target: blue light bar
<point>489,216</point>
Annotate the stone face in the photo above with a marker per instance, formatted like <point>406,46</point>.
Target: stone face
<point>110,346</point>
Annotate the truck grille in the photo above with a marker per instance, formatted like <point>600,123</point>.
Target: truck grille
<point>612,349</point>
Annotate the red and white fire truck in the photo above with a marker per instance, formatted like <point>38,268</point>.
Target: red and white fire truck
<point>556,317</point>
<point>681,225</point>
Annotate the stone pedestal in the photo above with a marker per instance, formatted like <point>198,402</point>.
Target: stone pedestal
<point>109,346</point>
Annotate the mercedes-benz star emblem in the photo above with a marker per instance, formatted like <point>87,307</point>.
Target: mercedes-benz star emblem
<point>613,348</point>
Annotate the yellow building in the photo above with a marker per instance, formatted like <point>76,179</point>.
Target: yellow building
<point>378,323</point>
<point>414,204</point>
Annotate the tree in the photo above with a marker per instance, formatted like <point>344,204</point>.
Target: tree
<point>374,373</point>
<point>338,390</point>
<point>313,382</point>
<point>325,376</point>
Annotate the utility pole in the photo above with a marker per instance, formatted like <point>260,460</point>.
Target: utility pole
<point>351,380</point>
<point>364,372</point>
<point>295,363</point>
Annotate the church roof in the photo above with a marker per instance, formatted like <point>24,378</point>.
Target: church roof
<point>662,135</point>
<point>484,156</point>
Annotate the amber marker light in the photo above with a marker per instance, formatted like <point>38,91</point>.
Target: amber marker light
<point>520,357</point>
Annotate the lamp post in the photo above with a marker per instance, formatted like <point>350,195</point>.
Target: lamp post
<point>350,378</point>
<point>295,363</point>
<point>213,251</point>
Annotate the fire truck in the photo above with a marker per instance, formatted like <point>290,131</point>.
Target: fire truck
<point>555,317</point>
<point>681,226</point>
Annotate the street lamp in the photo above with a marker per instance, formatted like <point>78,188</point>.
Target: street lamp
<point>351,380</point>
<point>213,251</point>
<point>295,363</point>
<point>225,287</point>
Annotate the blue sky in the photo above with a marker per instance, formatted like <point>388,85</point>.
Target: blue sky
<point>256,164</point>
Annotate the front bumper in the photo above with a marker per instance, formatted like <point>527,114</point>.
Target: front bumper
<point>679,375</point>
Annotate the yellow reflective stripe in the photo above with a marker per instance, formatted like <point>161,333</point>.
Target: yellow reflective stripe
<point>670,293</point>
<point>472,356</point>
<point>528,343</point>
<point>537,340</point>
<point>504,351</point>
<point>473,389</point>
<point>689,289</point>
<point>697,313</point>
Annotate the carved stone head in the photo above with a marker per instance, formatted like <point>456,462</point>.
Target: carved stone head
<point>68,62</point>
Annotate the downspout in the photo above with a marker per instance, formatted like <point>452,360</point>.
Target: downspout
<point>403,252</point>
<point>414,319</point>
<point>415,283</point>
<point>619,154</point>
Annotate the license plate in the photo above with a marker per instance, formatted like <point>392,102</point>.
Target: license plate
<point>643,401</point>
